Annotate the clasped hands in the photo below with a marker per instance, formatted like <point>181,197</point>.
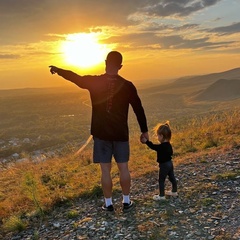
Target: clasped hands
<point>144,137</point>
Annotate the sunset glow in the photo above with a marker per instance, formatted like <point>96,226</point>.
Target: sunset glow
<point>83,50</point>
<point>158,39</point>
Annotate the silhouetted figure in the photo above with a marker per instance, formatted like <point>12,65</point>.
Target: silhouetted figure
<point>111,96</point>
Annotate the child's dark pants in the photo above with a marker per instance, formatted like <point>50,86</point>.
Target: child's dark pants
<point>166,169</point>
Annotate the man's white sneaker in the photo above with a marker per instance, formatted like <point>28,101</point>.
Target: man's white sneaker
<point>169,193</point>
<point>158,198</point>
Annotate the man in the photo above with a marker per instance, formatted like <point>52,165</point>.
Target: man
<point>110,96</point>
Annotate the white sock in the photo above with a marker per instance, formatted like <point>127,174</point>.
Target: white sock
<point>126,199</point>
<point>108,201</point>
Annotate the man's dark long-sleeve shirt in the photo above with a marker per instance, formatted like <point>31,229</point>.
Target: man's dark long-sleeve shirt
<point>164,151</point>
<point>110,97</point>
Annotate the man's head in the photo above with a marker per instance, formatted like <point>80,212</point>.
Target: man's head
<point>114,58</point>
<point>113,62</point>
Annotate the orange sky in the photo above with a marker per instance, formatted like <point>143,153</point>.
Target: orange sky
<point>158,39</point>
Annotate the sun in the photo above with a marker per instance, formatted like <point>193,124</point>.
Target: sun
<point>84,50</point>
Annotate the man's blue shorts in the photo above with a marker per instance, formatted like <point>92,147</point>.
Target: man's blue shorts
<point>103,151</point>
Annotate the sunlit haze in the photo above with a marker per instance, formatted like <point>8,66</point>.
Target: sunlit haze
<point>84,50</point>
<point>158,39</point>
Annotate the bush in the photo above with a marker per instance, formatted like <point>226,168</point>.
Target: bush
<point>14,224</point>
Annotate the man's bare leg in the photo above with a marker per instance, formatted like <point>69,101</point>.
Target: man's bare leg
<point>106,179</point>
<point>125,182</point>
<point>125,178</point>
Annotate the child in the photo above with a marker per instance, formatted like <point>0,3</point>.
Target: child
<point>164,158</point>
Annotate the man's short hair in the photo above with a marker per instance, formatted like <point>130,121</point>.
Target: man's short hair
<point>114,57</point>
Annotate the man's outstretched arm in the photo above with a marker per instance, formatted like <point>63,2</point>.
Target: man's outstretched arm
<point>67,74</point>
<point>53,69</point>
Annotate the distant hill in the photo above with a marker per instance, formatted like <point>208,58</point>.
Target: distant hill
<point>208,78</point>
<point>220,90</point>
<point>215,86</point>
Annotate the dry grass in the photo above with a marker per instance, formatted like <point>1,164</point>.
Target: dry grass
<point>28,186</point>
<point>207,131</point>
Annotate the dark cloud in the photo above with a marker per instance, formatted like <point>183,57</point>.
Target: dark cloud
<point>152,40</point>
<point>164,8</point>
<point>186,27</point>
<point>158,28</point>
<point>230,29</point>
<point>154,27</point>
<point>178,42</point>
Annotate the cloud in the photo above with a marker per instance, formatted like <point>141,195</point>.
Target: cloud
<point>31,21</point>
<point>185,27</point>
<point>164,8</point>
<point>178,42</point>
<point>230,29</point>
<point>151,40</point>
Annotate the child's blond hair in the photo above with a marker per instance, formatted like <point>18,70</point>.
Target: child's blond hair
<point>164,129</point>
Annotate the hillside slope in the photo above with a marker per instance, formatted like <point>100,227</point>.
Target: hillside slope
<point>220,90</point>
<point>187,84</point>
<point>207,207</point>
<point>208,79</point>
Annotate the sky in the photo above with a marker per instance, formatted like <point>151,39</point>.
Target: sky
<point>159,39</point>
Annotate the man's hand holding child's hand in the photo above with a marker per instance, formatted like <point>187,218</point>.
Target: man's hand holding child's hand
<point>143,139</point>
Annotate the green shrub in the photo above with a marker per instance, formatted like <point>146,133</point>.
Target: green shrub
<point>72,214</point>
<point>14,224</point>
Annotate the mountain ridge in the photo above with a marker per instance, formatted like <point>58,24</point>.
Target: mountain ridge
<point>203,87</point>
<point>222,89</point>
<point>231,73</point>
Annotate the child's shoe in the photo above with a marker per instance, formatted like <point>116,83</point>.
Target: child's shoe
<point>159,198</point>
<point>170,193</point>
